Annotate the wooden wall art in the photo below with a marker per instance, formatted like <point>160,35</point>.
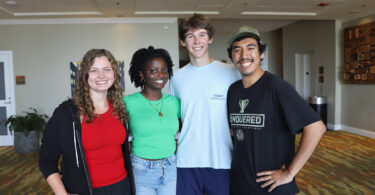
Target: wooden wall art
<point>359,54</point>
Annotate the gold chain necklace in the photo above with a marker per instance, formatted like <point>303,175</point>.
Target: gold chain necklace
<point>161,107</point>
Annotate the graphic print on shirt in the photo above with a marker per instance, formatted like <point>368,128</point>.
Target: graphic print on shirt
<point>243,104</point>
<point>240,135</point>
<point>246,120</point>
<point>218,97</point>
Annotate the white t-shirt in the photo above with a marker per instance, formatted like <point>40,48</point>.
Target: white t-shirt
<point>205,140</point>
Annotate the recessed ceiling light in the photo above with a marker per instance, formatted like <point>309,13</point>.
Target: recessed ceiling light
<point>55,13</point>
<point>280,13</point>
<point>175,12</point>
<point>354,12</point>
<point>11,2</point>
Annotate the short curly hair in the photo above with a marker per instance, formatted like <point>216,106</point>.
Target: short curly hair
<point>141,58</point>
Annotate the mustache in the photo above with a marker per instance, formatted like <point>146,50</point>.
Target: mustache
<point>243,59</point>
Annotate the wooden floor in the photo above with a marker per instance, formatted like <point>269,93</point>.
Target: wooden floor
<point>343,163</point>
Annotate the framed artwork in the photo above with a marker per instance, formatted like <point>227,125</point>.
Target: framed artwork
<point>73,76</point>
<point>359,54</point>
<point>321,69</point>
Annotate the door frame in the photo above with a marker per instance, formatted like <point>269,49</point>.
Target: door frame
<point>7,57</point>
<point>304,62</point>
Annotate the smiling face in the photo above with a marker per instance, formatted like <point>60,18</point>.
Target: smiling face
<point>101,75</point>
<point>155,74</point>
<point>196,42</point>
<point>246,56</point>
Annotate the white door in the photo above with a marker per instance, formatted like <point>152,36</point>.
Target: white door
<point>7,104</point>
<point>305,74</point>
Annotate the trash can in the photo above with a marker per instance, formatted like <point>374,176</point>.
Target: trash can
<point>319,104</point>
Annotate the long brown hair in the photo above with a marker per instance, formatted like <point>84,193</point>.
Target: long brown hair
<point>82,94</point>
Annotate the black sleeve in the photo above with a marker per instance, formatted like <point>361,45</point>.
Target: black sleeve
<point>230,90</point>
<point>297,113</point>
<point>50,150</point>
<point>228,99</point>
<point>127,159</point>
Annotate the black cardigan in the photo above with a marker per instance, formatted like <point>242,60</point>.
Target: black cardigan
<point>62,136</point>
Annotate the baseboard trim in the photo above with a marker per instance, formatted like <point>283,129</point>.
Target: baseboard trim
<point>363,132</point>
<point>333,127</point>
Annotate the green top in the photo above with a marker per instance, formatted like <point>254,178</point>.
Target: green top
<point>153,135</point>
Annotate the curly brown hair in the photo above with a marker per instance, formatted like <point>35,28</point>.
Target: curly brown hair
<point>82,93</point>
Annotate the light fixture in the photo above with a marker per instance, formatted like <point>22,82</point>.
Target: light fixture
<point>175,12</point>
<point>271,13</point>
<point>55,13</point>
<point>11,2</point>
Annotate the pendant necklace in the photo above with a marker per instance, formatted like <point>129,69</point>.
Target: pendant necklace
<point>161,107</point>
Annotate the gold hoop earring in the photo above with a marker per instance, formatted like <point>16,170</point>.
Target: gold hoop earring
<point>143,81</point>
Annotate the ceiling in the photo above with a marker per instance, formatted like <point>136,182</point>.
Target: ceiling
<point>271,14</point>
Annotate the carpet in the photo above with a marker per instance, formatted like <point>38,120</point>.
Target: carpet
<point>343,163</point>
<point>19,173</point>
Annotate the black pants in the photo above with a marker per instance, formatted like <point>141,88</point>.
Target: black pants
<point>122,187</point>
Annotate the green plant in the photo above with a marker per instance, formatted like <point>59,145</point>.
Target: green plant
<point>31,121</point>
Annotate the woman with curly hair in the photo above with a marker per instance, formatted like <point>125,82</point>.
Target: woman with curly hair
<point>154,122</point>
<point>88,131</point>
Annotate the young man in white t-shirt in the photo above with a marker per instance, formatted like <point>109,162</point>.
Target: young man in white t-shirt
<point>204,145</point>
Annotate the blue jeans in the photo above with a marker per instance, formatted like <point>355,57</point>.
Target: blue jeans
<point>155,177</point>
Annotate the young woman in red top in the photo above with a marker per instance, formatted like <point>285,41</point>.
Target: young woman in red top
<point>89,132</point>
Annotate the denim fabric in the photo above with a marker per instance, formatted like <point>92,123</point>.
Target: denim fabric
<point>155,177</point>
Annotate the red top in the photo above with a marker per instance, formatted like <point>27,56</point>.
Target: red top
<point>102,140</point>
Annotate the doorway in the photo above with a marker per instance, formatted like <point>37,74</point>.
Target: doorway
<point>305,74</point>
<point>7,103</point>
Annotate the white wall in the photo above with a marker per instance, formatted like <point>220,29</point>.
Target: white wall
<point>274,51</point>
<point>317,37</point>
<point>42,53</point>
<point>218,48</point>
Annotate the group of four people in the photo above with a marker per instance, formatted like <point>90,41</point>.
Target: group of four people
<point>208,97</point>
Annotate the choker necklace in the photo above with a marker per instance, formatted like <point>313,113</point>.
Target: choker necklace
<point>161,107</point>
